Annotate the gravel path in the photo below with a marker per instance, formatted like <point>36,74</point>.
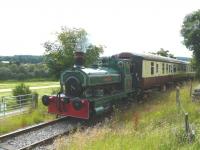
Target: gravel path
<point>38,135</point>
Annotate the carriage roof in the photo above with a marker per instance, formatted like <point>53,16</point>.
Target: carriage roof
<point>151,57</point>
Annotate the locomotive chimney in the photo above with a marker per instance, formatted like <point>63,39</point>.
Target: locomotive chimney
<point>79,58</point>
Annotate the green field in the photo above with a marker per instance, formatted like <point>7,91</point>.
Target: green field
<point>34,115</point>
<point>12,84</point>
<point>152,125</point>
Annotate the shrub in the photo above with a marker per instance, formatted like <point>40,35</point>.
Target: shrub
<point>21,89</point>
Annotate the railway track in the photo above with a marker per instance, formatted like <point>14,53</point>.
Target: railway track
<point>34,136</point>
<point>41,136</point>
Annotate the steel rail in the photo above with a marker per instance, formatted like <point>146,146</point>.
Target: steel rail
<point>19,132</point>
<point>45,141</point>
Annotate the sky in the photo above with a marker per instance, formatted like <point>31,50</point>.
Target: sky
<point>139,26</point>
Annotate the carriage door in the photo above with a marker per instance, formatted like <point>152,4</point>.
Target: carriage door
<point>127,77</point>
<point>135,75</point>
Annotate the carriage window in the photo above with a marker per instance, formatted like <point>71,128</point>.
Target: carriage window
<point>152,68</point>
<point>157,68</point>
<point>163,68</point>
<point>174,68</point>
<point>166,68</point>
<point>184,68</point>
<point>179,67</point>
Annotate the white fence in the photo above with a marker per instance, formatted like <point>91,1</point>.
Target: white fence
<point>12,105</point>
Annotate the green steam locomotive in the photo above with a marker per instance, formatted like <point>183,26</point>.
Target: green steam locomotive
<point>94,90</point>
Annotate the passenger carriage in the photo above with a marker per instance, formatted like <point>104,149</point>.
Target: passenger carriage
<point>151,70</point>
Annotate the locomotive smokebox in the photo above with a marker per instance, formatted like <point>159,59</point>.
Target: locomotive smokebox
<point>79,58</point>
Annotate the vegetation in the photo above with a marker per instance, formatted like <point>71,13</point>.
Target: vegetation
<point>22,59</point>
<point>23,71</point>
<point>153,125</point>
<point>191,33</point>
<point>34,116</point>
<point>21,89</point>
<point>164,53</point>
<point>60,54</point>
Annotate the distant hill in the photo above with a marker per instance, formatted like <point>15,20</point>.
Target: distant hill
<point>184,58</point>
<point>24,59</point>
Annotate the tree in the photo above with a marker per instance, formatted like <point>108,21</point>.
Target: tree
<point>5,73</point>
<point>60,54</point>
<point>92,54</point>
<point>191,33</point>
<point>164,53</point>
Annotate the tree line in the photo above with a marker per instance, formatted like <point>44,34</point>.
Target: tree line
<point>23,71</point>
<point>24,59</point>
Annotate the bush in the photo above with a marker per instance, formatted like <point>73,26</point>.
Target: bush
<point>21,89</point>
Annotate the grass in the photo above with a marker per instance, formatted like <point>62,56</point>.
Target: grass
<point>153,125</point>
<point>34,116</point>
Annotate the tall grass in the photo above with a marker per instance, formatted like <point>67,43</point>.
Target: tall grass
<point>154,124</point>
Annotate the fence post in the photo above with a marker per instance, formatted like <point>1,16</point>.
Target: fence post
<point>1,109</point>
<point>186,123</point>
<point>32,101</point>
<point>178,97</point>
<point>20,103</point>
<point>4,106</point>
<point>36,100</point>
<point>190,88</point>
